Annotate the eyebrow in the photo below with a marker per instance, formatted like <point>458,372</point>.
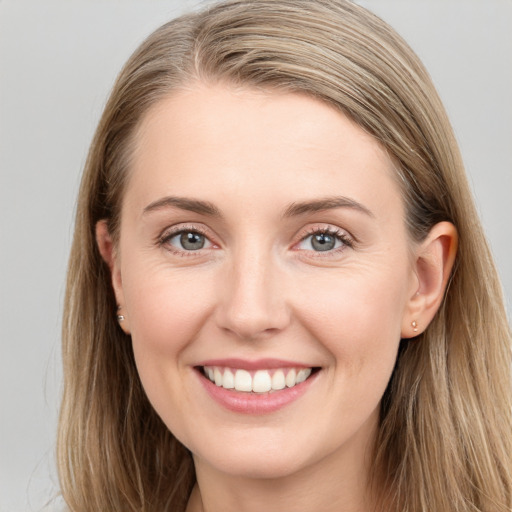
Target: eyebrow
<point>184,203</point>
<point>295,209</point>
<point>326,203</point>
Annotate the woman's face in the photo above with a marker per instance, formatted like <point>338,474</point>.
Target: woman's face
<point>263,241</point>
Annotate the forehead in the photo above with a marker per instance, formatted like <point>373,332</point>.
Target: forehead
<point>218,141</point>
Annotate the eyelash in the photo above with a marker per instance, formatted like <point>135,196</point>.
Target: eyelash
<point>340,235</point>
<point>167,236</point>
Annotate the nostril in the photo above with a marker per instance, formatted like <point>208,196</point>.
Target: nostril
<point>252,321</point>
<point>252,302</point>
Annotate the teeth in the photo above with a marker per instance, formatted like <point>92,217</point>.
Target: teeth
<point>278,380</point>
<point>217,377</point>
<point>228,381</point>
<point>291,378</point>
<point>261,381</point>
<point>243,380</point>
<point>303,374</point>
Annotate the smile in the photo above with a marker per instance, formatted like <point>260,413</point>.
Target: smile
<point>255,387</point>
<point>259,381</point>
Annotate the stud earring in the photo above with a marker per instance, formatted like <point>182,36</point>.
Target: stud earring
<point>120,318</point>
<point>414,326</point>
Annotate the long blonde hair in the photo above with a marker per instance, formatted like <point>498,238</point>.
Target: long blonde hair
<point>445,439</point>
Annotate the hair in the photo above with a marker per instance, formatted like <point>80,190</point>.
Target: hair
<point>445,436</point>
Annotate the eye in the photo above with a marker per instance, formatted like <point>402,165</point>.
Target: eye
<point>324,240</point>
<point>187,240</point>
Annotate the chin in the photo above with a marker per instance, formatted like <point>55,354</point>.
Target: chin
<point>260,468</point>
<point>260,459</point>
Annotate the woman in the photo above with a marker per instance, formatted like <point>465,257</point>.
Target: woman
<point>279,292</point>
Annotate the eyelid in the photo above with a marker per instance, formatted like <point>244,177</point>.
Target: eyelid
<point>348,241</point>
<point>172,231</point>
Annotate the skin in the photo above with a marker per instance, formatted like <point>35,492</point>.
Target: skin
<point>259,289</point>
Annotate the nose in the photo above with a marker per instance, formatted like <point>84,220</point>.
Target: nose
<point>252,303</point>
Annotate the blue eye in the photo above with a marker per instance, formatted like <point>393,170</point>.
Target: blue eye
<point>188,241</point>
<point>323,241</point>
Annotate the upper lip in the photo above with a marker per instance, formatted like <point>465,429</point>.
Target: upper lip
<point>257,364</point>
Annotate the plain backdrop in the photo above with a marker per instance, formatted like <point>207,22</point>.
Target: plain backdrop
<point>58,60</point>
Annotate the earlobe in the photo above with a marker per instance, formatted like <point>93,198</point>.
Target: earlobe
<point>434,259</point>
<point>107,250</point>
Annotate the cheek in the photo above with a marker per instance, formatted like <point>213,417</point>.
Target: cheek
<point>358,318</point>
<point>165,307</point>
<point>166,313</point>
<point>358,322</point>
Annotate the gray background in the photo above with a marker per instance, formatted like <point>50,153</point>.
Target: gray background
<point>58,60</point>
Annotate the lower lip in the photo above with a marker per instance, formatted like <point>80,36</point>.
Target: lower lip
<point>255,403</point>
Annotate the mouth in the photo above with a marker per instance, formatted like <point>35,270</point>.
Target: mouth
<point>257,381</point>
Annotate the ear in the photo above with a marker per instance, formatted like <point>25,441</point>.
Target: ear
<point>433,263</point>
<point>108,253</point>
